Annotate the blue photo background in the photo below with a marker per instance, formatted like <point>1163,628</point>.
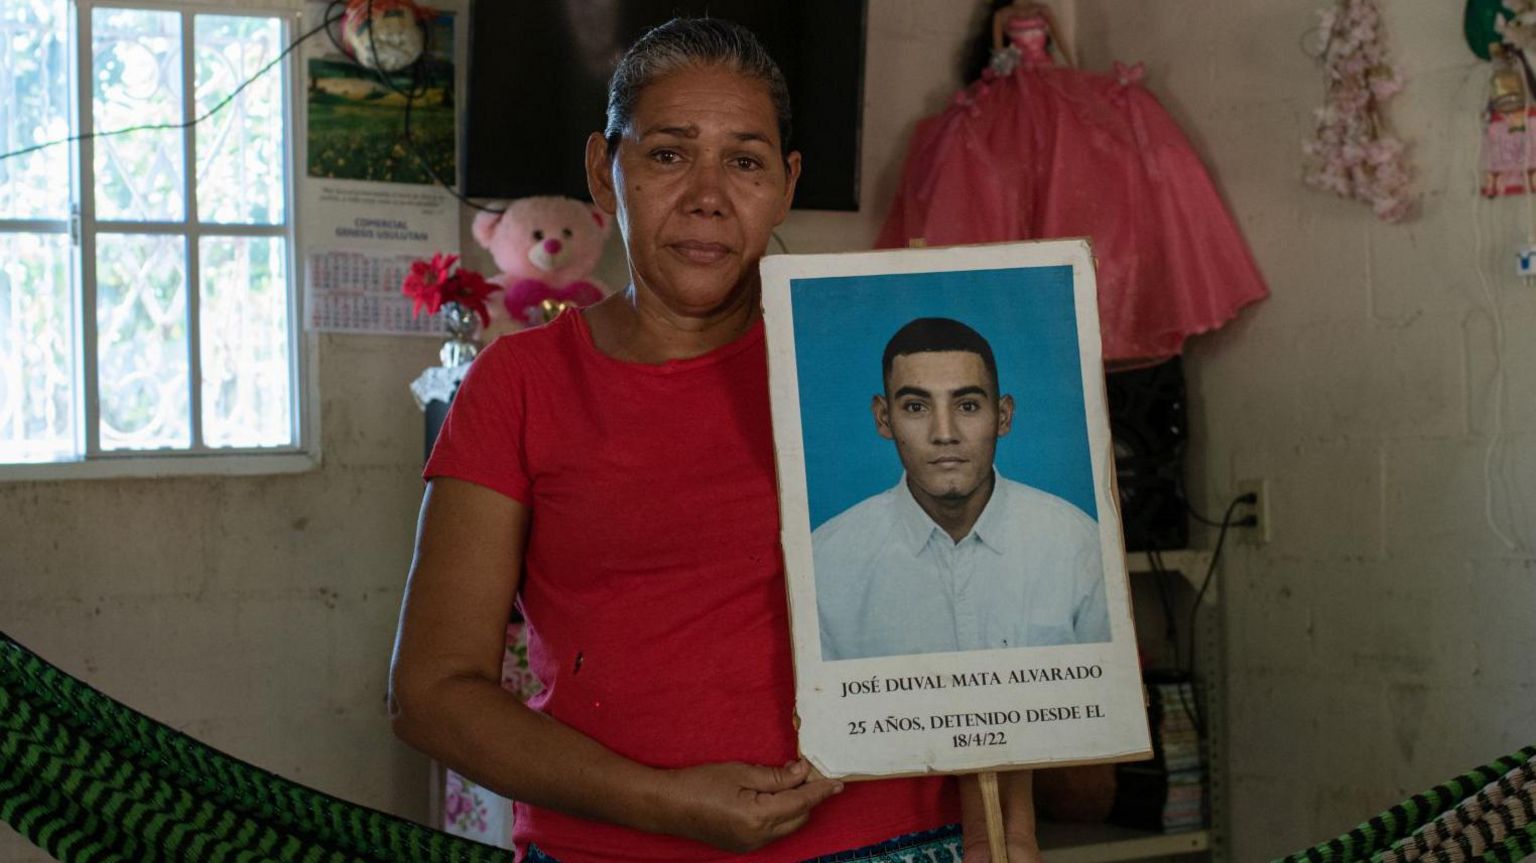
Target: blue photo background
<point>1028,316</point>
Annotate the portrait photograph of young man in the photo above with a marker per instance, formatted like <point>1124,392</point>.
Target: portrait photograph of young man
<point>951,531</point>
<point>949,484</point>
<point>953,556</point>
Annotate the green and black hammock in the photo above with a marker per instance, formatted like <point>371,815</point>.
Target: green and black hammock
<point>90,780</point>
<point>1486,814</point>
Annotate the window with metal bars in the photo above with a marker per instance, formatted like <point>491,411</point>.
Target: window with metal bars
<point>148,309</point>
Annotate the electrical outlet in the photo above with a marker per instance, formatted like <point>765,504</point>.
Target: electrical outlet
<point>1258,532</point>
<point>1525,262</point>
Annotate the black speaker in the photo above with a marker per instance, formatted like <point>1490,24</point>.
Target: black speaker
<point>1146,420</point>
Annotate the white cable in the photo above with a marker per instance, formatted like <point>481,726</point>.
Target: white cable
<point>1479,249</point>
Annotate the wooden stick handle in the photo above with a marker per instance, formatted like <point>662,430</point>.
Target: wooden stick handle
<point>993,806</point>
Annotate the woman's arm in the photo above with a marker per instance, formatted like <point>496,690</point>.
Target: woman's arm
<point>1017,793</point>
<point>446,698</point>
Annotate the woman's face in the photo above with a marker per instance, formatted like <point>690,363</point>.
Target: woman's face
<point>697,185</point>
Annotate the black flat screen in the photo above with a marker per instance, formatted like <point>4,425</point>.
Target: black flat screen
<point>538,78</point>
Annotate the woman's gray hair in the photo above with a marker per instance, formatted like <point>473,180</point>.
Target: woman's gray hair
<point>689,42</point>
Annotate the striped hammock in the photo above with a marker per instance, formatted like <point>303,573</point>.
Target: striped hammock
<point>1487,814</point>
<point>90,780</point>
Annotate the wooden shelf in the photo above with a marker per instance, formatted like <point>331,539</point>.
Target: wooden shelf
<point>1106,843</point>
<point>1192,563</point>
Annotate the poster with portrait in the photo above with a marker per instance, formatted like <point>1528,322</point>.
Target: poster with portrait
<point>957,580</point>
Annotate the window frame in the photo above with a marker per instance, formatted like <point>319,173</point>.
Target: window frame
<point>83,229</point>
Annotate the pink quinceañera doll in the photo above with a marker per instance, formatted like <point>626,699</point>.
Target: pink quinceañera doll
<point>1032,150</point>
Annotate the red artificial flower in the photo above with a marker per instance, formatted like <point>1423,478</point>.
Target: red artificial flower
<point>432,283</point>
<point>470,289</point>
<point>425,283</point>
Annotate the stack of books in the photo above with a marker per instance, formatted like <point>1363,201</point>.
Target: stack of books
<point>1167,792</point>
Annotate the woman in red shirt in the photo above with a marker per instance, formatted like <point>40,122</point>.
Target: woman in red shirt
<point>612,474</point>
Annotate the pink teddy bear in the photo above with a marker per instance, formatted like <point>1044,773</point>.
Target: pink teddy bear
<point>546,248</point>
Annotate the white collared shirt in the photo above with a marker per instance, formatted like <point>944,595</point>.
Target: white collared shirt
<point>890,581</point>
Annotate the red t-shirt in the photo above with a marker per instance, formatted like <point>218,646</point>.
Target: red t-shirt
<point>653,582</point>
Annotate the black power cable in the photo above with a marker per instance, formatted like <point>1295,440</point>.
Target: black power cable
<point>323,26</point>
<point>331,18</point>
<point>1198,713</point>
<point>1194,513</point>
<point>410,96</point>
<point>417,88</point>
<point>1160,576</point>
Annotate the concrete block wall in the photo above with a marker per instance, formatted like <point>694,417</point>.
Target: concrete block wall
<point>257,613</point>
<point>1377,643</point>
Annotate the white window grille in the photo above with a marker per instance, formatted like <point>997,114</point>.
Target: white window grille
<point>148,310</point>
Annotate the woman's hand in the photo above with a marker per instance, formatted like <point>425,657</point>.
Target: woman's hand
<point>742,807</point>
<point>1016,794</point>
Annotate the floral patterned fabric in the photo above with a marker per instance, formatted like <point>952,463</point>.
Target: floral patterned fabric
<point>469,810</point>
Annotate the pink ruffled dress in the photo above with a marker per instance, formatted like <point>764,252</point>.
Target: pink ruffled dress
<point>1043,152</point>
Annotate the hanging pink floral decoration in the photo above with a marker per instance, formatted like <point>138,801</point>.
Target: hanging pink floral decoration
<point>1353,153</point>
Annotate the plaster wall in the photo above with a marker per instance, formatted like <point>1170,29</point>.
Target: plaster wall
<point>1376,645</point>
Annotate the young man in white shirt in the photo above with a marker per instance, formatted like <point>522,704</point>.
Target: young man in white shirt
<point>954,556</point>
